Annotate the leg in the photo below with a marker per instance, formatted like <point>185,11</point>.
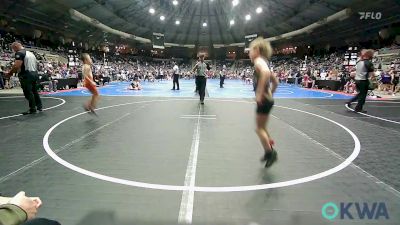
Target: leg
<point>54,85</point>
<point>177,81</point>
<point>24,89</point>
<point>1,82</point>
<point>27,88</point>
<point>202,88</point>
<point>38,101</point>
<point>271,141</point>
<point>270,155</point>
<point>362,95</point>
<point>173,83</point>
<point>355,97</point>
<point>197,83</point>
<point>261,130</point>
<point>91,104</point>
<point>49,83</point>
<point>94,100</point>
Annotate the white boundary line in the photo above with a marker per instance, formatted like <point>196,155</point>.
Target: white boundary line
<point>199,116</point>
<point>202,118</point>
<point>320,175</point>
<point>336,105</point>
<point>375,117</point>
<point>16,115</point>
<point>186,208</point>
<point>368,175</point>
<point>385,101</point>
<point>37,161</point>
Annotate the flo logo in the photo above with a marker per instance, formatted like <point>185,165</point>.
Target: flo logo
<point>370,15</point>
<point>355,210</point>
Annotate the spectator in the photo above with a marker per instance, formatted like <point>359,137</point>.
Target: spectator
<point>135,85</point>
<point>1,78</point>
<point>350,86</point>
<point>395,81</point>
<point>22,210</point>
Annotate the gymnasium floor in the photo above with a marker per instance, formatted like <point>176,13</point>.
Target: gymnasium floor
<point>149,159</point>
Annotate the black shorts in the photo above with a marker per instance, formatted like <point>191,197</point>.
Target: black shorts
<point>265,107</point>
<point>396,80</point>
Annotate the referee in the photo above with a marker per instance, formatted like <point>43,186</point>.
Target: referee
<point>176,77</point>
<point>364,69</point>
<point>26,66</point>
<point>201,79</point>
<point>222,75</point>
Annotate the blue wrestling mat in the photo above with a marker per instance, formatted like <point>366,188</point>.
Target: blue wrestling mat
<point>232,89</point>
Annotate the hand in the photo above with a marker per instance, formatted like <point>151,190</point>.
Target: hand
<point>27,204</point>
<point>37,201</point>
<point>259,99</point>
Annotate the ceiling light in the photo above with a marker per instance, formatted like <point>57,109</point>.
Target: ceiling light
<point>177,22</point>
<point>259,10</point>
<point>162,18</point>
<point>235,3</point>
<point>248,17</point>
<point>232,22</point>
<point>152,11</point>
<point>175,2</point>
<point>204,24</point>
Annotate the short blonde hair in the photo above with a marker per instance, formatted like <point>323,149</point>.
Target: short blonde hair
<point>263,46</point>
<point>84,56</point>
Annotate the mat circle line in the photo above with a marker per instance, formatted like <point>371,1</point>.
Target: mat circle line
<point>216,189</point>
<point>52,107</point>
<point>375,117</point>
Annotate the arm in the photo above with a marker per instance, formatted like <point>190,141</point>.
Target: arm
<point>17,65</point>
<point>12,215</point>
<point>18,209</point>
<point>371,70</point>
<point>19,57</point>
<point>195,67</point>
<point>274,81</point>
